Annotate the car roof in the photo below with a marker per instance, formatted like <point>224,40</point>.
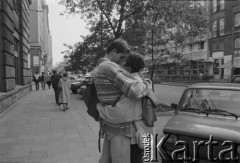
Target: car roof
<point>216,86</point>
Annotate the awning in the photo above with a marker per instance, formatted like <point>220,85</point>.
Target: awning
<point>228,64</point>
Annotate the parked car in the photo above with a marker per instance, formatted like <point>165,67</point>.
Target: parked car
<point>73,78</point>
<point>205,125</point>
<point>235,79</point>
<point>76,86</point>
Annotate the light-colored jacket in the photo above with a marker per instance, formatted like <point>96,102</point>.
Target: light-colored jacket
<point>64,94</point>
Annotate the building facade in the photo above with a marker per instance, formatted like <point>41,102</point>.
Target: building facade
<point>40,39</point>
<point>15,76</point>
<point>225,41</point>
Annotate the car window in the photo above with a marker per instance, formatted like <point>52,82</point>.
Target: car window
<point>236,79</point>
<point>207,99</point>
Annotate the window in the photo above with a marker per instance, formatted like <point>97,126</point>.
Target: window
<point>191,47</point>
<point>214,5</point>
<point>237,43</point>
<point>221,45</point>
<point>216,67</point>
<point>183,48</point>
<point>214,28</point>
<point>237,19</point>
<point>16,50</point>
<point>214,47</point>
<point>222,4</point>
<point>221,26</point>
<point>201,46</point>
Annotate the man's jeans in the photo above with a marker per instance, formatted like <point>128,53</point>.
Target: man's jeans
<point>116,149</point>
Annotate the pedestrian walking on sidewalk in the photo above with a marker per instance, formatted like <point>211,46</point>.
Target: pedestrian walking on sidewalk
<point>64,91</point>
<point>43,80</point>
<point>36,79</point>
<point>55,80</point>
<point>112,82</point>
<point>48,80</point>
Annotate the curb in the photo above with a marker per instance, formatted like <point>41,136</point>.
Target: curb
<point>167,113</point>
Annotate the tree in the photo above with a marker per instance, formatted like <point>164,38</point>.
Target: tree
<point>143,23</point>
<point>86,54</point>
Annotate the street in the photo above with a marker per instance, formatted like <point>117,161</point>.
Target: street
<point>35,129</point>
<point>168,94</point>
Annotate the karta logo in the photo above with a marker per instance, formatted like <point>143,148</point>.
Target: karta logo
<point>227,150</point>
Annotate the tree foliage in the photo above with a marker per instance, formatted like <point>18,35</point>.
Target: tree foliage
<point>143,23</point>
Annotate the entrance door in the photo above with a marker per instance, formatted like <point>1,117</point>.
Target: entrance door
<point>222,73</point>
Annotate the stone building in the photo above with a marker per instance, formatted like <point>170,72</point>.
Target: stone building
<point>40,37</point>
<point>15,73</point>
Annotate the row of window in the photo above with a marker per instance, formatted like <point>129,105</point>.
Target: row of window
<point>215,24</point>
<point>218,5</point>
<point>219,25</point>
<point>219,46</point>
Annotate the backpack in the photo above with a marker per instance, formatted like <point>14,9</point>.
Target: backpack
<point>148,115</point>
<point>90,98</point>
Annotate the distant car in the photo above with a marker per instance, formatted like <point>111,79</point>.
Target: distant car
<point>73,78</point>
<point>205,125</point>
<point>76,87</point>
<point>235,79</point>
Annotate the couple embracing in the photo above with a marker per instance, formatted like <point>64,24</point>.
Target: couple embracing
<point>120,90</point>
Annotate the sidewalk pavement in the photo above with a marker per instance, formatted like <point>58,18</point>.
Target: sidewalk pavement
<point>36,130</point>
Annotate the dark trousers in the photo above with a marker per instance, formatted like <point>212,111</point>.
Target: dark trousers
<point>136,154</point>
<point>37,85</point>
<point>49,84</point>
<point>56,94</point>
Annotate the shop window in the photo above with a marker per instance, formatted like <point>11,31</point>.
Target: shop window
<point>216,67</point>
<point>237,43</point>
<point>237,19</point>
<point>221,45</point>
<point>214,28</point>
<point>221,26</point>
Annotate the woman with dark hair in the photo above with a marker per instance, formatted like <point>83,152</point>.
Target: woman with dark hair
<point>64,91</point>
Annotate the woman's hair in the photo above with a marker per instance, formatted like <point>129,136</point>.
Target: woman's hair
<point>135,61</point>
<point>65,74</point>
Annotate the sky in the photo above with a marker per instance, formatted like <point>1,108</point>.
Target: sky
<point>64,29</point>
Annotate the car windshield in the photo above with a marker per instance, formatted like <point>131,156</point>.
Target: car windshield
<point>214,101</point>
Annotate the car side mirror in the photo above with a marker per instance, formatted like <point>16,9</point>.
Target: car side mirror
<point>174,106</point>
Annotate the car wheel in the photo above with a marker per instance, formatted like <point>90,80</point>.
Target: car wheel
<point>73,91</point>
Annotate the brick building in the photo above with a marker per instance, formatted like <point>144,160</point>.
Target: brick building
<point>15,73</point>
<point>225,41</point>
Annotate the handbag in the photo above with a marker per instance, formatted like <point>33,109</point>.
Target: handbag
<point>144,134</point>
<point>148,115</point>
